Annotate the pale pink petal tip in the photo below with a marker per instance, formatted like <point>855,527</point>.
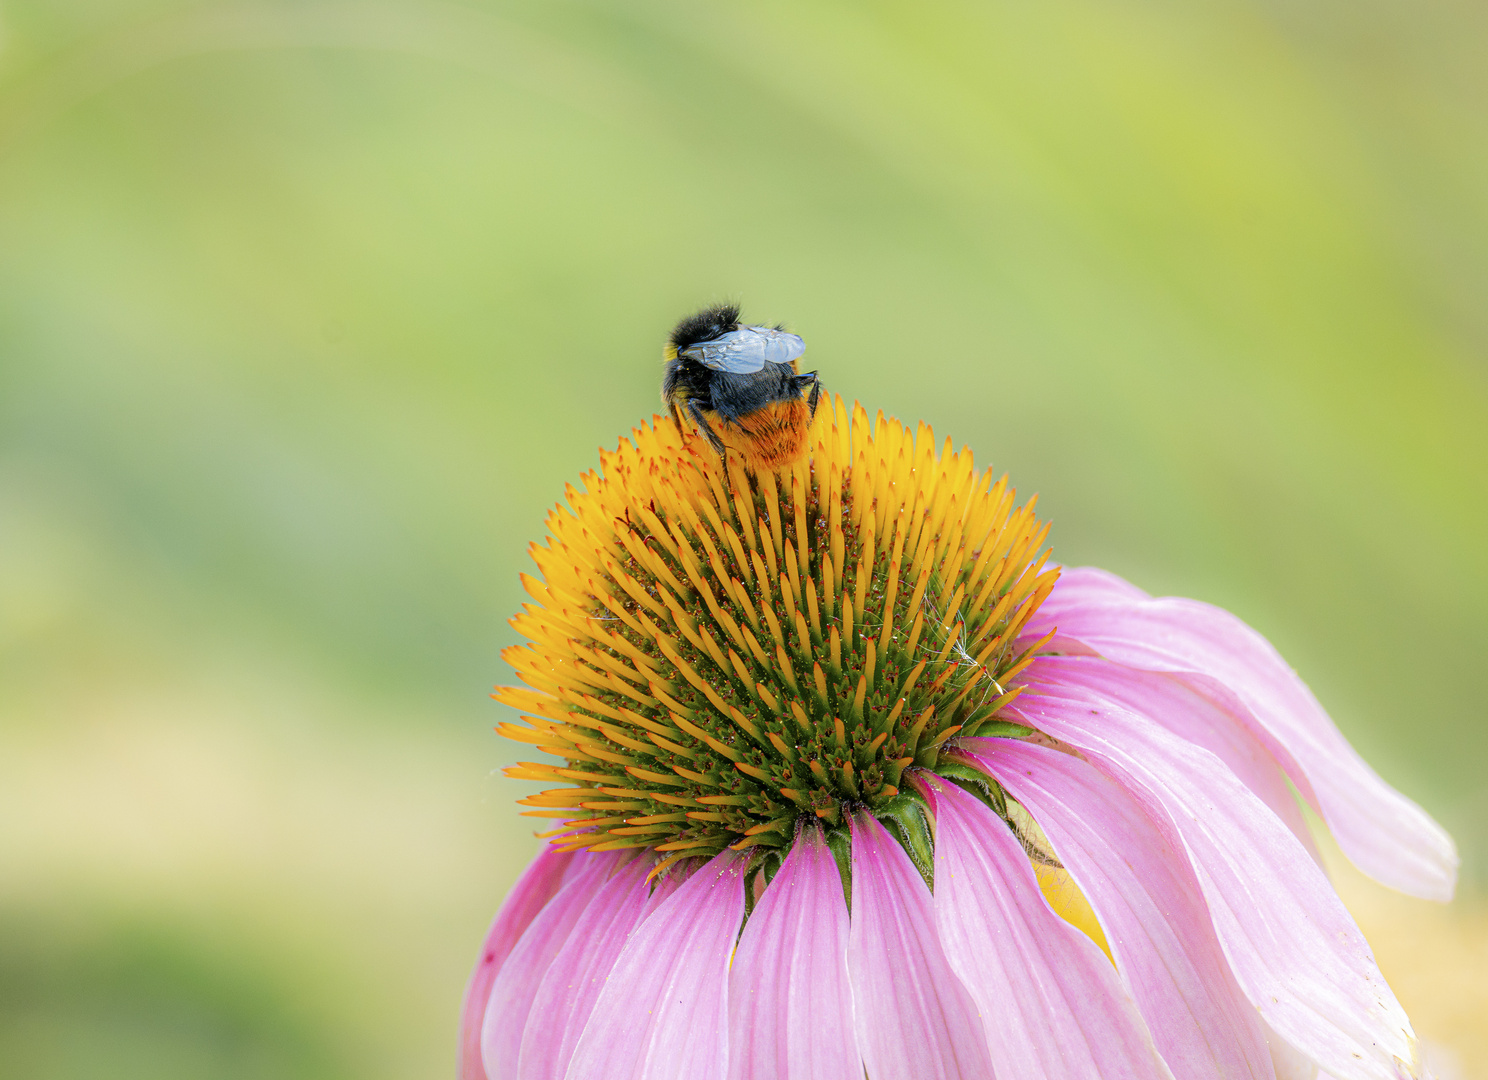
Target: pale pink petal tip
<point>1289,1062</point>
<point>1383,833</point>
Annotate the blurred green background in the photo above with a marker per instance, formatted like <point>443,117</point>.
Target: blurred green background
<point>308,310</point>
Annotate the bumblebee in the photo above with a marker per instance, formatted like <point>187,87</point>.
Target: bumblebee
<point>745,379</point>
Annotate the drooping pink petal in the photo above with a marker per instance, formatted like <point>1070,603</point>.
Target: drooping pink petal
<point>915,1020</point>
<point>1197,712</point>
<point>516,982</point>
<point>790,1004</point>
<point>1147,900</point>
<point>663,1011</point>
<point>1053,1005</point>
<point>537,885</point>
<point>1385,834</point>
<point>571,985</point>
<point>1291,945</point>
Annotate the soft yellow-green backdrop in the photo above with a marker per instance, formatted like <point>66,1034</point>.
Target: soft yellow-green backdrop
<point>309,309</point>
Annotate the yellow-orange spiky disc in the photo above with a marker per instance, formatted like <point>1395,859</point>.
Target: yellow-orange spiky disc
<point>715,653</point>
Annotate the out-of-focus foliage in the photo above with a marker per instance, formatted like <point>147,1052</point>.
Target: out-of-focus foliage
<point>308,310</point>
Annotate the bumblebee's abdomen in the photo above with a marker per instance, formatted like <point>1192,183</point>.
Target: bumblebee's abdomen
<point>772,436</point>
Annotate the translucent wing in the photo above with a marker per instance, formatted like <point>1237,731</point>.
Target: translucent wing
<point>746,349</point>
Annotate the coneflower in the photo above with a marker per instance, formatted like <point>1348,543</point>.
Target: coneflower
<point>851,780</point>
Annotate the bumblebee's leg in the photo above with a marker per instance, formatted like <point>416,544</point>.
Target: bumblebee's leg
<point>810,379</point>
<point>696,412</point>
<point>677,417</point>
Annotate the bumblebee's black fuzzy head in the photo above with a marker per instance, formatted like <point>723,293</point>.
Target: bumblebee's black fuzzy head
<point>706,325</point>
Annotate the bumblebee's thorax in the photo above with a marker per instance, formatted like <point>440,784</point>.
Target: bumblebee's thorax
<point>734,397</point>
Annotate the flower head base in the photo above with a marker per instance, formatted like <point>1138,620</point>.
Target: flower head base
<point>718,653</point>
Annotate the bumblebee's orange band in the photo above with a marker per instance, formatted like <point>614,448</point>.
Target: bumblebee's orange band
<point>769,438</point>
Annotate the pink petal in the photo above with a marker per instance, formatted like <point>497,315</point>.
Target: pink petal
<point>1085,585</point>
<point>1077,587</point>
<point>516,982</point>
<point>1198,712</point>
<point>915,1021</point>
<point>1292,946</point>
<point>1386,835</point>
<point>1148,903</point>
<point>1053,1004</point>
<point>663,1011</point>
<point>537,885</point>
<point>790,1004</point>
<point>566,996</point>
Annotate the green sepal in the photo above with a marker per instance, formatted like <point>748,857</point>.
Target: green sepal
<point>839,840</point>
<point>766,861</point>
<point>908,822</point>
<point>1002,728</point>
<point>976,783</point>
<point>928,755</point>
